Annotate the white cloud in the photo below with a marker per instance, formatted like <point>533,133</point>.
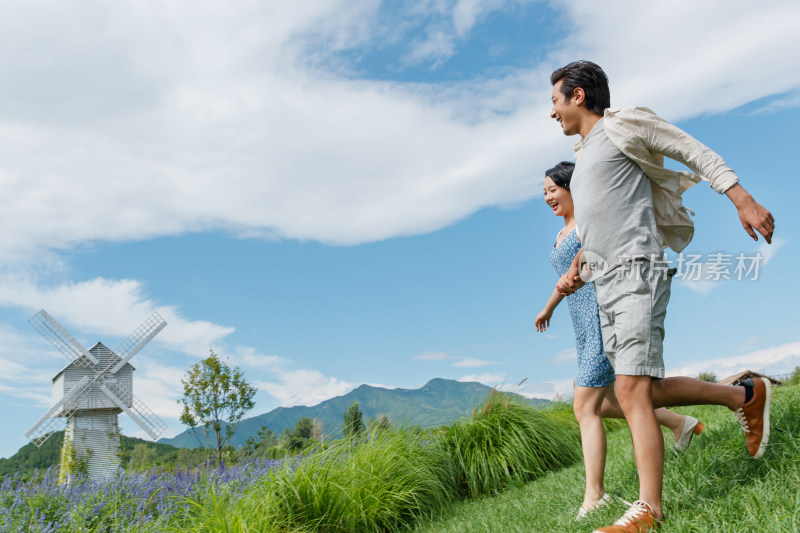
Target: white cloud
<point>486,378</point>
<point>286,383</point>
<point>304,387</point>
<point>791,99</point>
<point>109,308</point>
<point>768,251</point>
<point>125,121</point>
<point>688,64</point>
<point>771,361</point>
<point>433,356</point>
<point>467,12</point>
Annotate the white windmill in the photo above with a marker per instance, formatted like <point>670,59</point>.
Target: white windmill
<point>89,393</point>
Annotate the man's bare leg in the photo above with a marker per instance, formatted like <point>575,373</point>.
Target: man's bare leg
<point>669,419</point>
<point>675,391</point>
<point>634,394</point>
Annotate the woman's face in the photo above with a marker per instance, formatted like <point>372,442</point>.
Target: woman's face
<point>558,198</point>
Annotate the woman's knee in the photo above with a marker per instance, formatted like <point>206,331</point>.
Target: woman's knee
<point>586,407</point>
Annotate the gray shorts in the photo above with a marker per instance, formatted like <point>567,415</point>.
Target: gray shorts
<point>632,300</point>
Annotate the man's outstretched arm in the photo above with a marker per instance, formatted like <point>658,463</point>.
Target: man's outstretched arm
<point>660,136</point>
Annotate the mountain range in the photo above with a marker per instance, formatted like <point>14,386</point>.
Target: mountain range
<point>438,402</point>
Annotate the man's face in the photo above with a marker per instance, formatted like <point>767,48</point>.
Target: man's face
<point>565,112</point>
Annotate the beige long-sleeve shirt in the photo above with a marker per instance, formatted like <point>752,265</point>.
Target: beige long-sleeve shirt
<point>646,138</point>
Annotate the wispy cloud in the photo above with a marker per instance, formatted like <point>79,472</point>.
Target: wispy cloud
<point>569,355</point>
<point>433,356</point>
<point>470,362</point>
<point>490,379</point>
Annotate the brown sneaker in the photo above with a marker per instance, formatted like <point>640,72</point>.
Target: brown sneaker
<point>639,518</point>
<point>754,416</point>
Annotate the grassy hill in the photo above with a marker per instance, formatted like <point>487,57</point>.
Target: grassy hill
<point>438,402</point>
<point>713,486</point>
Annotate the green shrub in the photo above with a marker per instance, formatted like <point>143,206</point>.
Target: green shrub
<point>506,441</point>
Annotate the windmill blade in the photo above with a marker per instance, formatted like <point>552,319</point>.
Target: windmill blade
<point>136,340</point>
<point>61,339</point>
<point>139,412</point>
<point>45,426</point>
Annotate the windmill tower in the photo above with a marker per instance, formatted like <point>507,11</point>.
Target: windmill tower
<point>89,394</point>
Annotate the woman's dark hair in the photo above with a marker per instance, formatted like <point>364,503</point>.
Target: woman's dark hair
<point>589,77</point>
<point>561,174</point>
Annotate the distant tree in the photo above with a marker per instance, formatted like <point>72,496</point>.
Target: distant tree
<point>707,376</point>
<point>143,456</point>
<point>794,379</point>
<point>353,425</point>
<point>215,398</point>
<point>190,457</point>
<point>264,439</point>
<point>301,436</point>
<point>378,424</point>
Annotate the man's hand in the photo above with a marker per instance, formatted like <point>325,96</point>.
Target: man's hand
<point>753,216</point>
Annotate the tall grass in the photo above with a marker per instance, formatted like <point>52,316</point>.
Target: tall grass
<point>386,482</point>
<point>506,442</point>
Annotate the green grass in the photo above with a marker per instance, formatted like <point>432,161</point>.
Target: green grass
<point>393,479</point>
<point>506,442</point>
<point>713,486</point>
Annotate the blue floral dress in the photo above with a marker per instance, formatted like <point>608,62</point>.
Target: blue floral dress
<point>594,370</point>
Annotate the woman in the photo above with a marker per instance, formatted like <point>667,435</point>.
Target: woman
<point>594,386</point>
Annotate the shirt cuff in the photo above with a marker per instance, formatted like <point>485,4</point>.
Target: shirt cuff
<point>724,181</point>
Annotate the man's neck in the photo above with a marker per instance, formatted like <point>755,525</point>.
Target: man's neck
<point>588,120</point>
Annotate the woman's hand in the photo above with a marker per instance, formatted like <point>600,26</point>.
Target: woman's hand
<point>542,321</point>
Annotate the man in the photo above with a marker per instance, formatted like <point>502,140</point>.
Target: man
<point>628,208</point>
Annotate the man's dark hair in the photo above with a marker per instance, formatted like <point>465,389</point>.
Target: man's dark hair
<point>561,174</point>
<point>589,77</point>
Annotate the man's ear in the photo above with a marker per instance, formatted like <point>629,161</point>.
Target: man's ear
<point>578,95</point>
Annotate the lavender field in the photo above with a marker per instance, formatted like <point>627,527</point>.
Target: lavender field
<point>151,500</point>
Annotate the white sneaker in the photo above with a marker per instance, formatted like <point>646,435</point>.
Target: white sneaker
<point>583,511</point>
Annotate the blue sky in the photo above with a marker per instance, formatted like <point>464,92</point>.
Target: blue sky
<point>334,193</point>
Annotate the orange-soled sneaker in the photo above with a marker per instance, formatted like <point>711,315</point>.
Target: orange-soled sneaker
<point>754,416</point>
<point>640,518</point>
<point>691,426</point>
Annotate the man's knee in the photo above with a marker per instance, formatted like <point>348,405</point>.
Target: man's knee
<point>634,391</point>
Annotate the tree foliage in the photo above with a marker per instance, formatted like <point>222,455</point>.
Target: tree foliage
<point>707,376</point>
<point>301,436</point>
<point>215,398</point>
<point>794,379</point>
<point>353,425</point>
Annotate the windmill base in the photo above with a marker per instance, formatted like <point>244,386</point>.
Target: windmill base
<point>91,445</point>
